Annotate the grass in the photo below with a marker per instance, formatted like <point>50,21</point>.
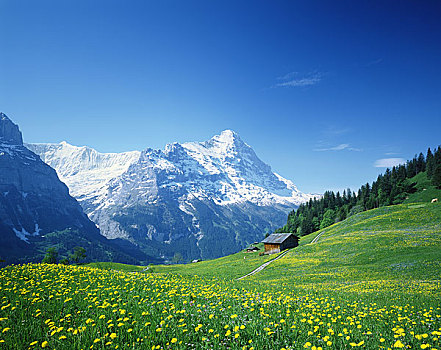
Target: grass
<point>371,282</point>
<point>397,247</point>
<point>230,267</point>
<point>425,190</point>
<point>116,267</point>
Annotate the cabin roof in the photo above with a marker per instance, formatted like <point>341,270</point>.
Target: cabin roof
<point>277,238</point>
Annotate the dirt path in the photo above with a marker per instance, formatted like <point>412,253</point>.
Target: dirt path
<point>317,238</point>
<point>261,267</point>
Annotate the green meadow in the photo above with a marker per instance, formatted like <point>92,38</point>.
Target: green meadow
<point>371,281</point>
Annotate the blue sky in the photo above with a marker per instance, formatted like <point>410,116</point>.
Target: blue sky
<point>322,90</point>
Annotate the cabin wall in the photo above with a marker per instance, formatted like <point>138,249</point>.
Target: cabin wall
<point>290,242</point>
<point>272,248</point>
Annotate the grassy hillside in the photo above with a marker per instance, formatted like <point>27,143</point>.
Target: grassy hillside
<point>116,267</point>
<point>228,267</point>
<point>231,266</point>
<point>389,245</point>
<point>403,239</point>
<point>396,247</point>
<point>370,282</point>
<point>425,190</point>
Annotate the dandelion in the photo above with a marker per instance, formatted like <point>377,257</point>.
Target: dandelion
<point>398,344</point>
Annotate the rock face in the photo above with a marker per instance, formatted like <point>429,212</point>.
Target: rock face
<point>9,132</point>
<point>201,199</point>
<point>36,210</point>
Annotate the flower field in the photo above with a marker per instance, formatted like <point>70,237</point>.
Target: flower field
<point>65,307</point>
<point>371,282</point>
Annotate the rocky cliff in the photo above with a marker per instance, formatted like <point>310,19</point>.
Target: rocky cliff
<point>36,210</point>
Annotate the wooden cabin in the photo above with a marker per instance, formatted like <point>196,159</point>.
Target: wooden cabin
<point>277,242</point>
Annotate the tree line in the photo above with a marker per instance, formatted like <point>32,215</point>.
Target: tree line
<point>51,256</point>
<point>392,187</point>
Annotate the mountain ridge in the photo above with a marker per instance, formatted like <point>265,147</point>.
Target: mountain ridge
<point>177,197</point>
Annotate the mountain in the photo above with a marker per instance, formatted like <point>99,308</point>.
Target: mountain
<point>201,199</point>
<point>85,171</point>
<point>36,210</point>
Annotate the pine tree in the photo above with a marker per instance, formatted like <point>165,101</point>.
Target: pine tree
<point>430,162</point>
<point>437,156</point>
<point>411,168</point>
<point>420,164</point>
<point>436,177</point>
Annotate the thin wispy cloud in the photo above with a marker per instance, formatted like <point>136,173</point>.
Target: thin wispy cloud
<point>340,147</point>
<point>288,76</point>
<point>374,62</point>
<point>294,79</point>
<point>333,131</point>
<point>388,162</point>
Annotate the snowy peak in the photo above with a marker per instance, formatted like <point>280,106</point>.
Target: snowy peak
<point>84,170</point>
<point>70,160</point>
<point>227,143</point>
<point>9,132</point>
<point>228,139</point>
<point>223,169</point>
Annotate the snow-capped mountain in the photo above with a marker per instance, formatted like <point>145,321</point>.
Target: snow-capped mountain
<point>36,210</point>
<point>202,199</point>
<point>84,170</point>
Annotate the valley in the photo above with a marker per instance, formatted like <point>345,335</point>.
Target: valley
<point>220,175</point>
<point>371,281</point>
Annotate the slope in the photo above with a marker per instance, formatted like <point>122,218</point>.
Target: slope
<point>398,245</point>
<point>370,282</point>
<point>425,190</point>
<point>389,248</point>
